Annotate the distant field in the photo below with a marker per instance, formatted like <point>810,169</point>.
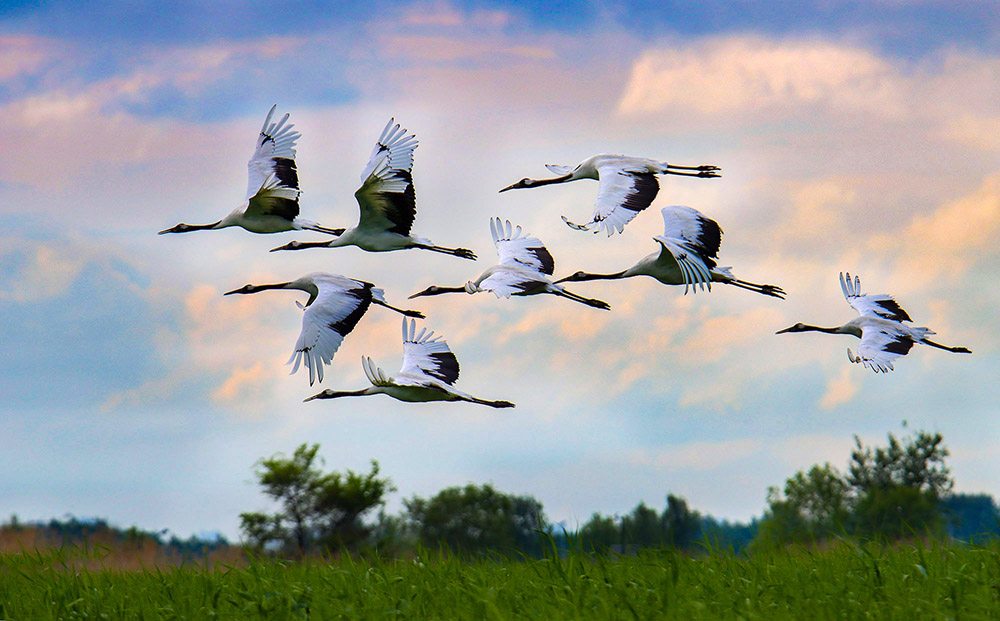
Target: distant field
<point>843,582</point>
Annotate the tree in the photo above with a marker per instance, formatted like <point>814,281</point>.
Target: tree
<point>898,487</point>
<point>643,528</point>
<point>478,518</point>
<point>317,510</point>
<point>815,506</point>
<point>681,525</point>
<point>599,533</point>
<point>971,517</point>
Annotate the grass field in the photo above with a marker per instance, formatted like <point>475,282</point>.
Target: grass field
<point>845,581</point>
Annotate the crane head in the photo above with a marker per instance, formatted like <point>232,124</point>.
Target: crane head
<point>799,327</point>
<point>523,183</point>
<point>243,289</point>
<point>573,277</point>
<point>180,228</point>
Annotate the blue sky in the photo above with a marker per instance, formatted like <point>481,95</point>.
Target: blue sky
<point>852,136</point>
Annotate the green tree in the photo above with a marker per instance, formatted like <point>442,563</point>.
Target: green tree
<point>815,506</point>
<point>898,487</point>
<point>643,528</point>
<point>600,533</point>
<point>318,510</point>
<point>478,518</point>
<point>680,524</point>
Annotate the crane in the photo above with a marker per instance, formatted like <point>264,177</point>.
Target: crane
<point>387,201</point>
<point>336,304</point>
<point>884,336</point>
<point>272,203</point>
<point>429,373</point>
<point>524,269</point>
<point>627,186</point>
<point>689,248</point>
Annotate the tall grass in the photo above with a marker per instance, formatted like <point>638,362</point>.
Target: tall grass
<point>843,581</point>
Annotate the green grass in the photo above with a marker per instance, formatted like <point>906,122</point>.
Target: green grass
<point>846,581</point>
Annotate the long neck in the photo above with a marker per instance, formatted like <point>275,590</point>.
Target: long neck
<point>836,330</point>
<point>537,182</point>
<point>587,276</point>
<point>371,390</point>
<point>441,290</point>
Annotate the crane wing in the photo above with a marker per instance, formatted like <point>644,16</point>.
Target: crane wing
<point>328,318</point>
<point>622,195</point>
<point>693,229</point>
<point>386,196</point>
<point>426,356</point>
<point>505,283</point>
<point>273,161</point>
<point>879,347</point>
<point>692,241</point>
<point>871,304</point>
<point>519,250</point>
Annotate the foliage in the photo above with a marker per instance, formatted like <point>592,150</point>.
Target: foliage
<point>677,527</point>
<point>971,517</point>
<point>816,505</point>
<point>898,486</point>
<point>318,510</point>
<point>478,518</point>
<point>842,581</point>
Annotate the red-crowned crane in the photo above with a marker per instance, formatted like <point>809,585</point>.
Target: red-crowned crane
<point>689,249</point>
<point>429,373</point>
<point>524,269</point>
<point>627,186</point>
<point>884,336</point>
<point>387,201</point>
<point>336,304</point>
<point>272,204</point>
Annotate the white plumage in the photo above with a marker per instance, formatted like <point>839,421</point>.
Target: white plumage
<point>386,200</point>
<point>884,336</point>
<point>525,268</point>
<point>429,373</point>
<point>336,304</point>
<point>688,253</point>
<point>272,200</point>
<point>628,185</point>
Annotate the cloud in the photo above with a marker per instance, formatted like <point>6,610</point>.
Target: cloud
<point>948,241</point>
<point>841,389</point>
<point>24,54</point>
<point>751,75</point>
<point>697,455</point>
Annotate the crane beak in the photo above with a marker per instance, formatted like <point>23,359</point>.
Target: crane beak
<point>511,186</point>
<point>788,329</point>
<point>316,396</point>
<point>233,291</point>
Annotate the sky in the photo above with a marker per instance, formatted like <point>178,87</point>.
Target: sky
<point>852,136</point>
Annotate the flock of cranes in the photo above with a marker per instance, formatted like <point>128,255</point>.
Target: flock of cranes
<point>687,255</point>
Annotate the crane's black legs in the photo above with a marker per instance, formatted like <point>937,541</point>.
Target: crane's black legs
<point>456,252</point>
<point>771,290</point>
<point>408,313</point>
<point>588,301</point>
<point>957,350</point>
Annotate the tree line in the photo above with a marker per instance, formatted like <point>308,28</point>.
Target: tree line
<point>900,490</point>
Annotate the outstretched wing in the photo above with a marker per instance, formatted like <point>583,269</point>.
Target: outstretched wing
<point>386,196</point>
<point>426,356</point>
<point>872,304</point>
<point>622,194</point>
<point>692,240</point>
<point>879,347</point>
<point>513,248</point>
<point>337,308</point>
<point>274,156</point>
<point>272,180</point>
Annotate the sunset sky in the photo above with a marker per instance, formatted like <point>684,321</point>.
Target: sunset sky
<point>852,136</point>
